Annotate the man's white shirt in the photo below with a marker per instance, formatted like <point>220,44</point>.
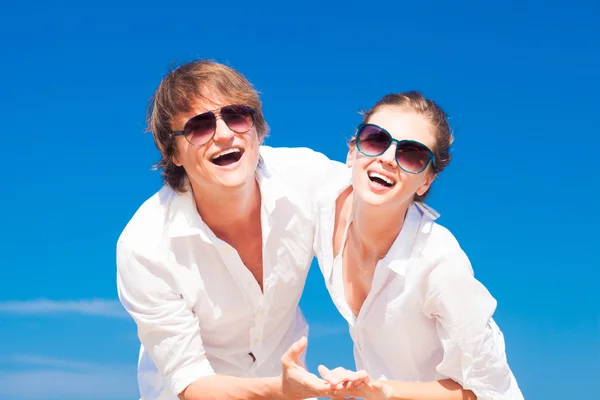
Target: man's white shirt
<point>198,309</point>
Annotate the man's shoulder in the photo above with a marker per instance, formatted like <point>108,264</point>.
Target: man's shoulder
<point>299,163</point>
<point>147,226</point>
<point>291,156</point>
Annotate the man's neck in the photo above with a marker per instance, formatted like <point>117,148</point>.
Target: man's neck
<point>229,211</point>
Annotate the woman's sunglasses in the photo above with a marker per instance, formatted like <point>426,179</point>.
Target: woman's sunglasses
<point>201,128</point>
<point>412,157</point>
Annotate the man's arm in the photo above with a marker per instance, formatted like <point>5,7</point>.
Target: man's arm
<point>295,383</point>
<point>170,333</point>
<point>167,327</point>
<point>230,387</point>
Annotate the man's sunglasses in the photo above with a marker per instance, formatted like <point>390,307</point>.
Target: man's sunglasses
<point>412,157</point>
<point>201,128</point>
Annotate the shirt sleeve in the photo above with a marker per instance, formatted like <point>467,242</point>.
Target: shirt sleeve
<point>320,170</point>
<point>474,354</point>
<point>167,326</point>
<point>309,170</point>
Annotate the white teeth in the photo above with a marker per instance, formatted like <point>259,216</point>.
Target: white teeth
<point>228,151</point>
<point>383,178</point>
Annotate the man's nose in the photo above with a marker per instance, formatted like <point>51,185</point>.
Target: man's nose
<point>222,131</point>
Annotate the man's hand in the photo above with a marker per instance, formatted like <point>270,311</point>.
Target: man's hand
<point>297,382</point>
<point>345,383</point>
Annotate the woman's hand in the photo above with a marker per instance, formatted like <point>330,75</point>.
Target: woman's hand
<point>354,384</point>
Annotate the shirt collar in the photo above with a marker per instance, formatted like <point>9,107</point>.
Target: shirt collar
<point>402,249</point>
<point>272,188</point>
<point>183,218</point>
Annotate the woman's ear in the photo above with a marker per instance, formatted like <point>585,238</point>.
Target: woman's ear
<point>350,155</point>
<point>425,186</point>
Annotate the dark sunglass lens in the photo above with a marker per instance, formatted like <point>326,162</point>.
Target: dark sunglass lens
<point>372,140</point>
<point>238,118</point>
<point>200,129</point>
<point>412,157</point>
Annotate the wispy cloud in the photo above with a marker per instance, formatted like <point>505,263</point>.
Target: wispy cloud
<point>96,307</point>
<point>38,377</point>
<point>31,360</point>
<point>319,329</point>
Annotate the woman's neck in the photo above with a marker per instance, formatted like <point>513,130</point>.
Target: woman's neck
<point>374,229</point>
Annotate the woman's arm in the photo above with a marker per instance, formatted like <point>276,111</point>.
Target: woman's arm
<point>444,389</point>
<point>474,352</point>
<point>359,384</point>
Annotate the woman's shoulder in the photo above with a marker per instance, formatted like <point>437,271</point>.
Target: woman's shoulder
<point>442,252</point>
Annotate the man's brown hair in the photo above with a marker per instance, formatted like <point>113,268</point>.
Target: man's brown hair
<point>182,89</point>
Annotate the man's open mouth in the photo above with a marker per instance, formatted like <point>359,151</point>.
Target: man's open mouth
<point>227,157</point>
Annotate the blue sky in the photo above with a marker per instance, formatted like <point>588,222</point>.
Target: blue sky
<point>519,81</point>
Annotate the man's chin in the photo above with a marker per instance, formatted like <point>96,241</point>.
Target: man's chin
<point>234,179</point>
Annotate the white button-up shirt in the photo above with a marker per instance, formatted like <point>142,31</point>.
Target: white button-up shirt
<point>198,309</point>
<point>426,317</point>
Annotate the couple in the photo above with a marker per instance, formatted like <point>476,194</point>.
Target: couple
<point>212,267</point>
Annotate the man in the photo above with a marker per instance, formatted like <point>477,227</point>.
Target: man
<point>212,267</point>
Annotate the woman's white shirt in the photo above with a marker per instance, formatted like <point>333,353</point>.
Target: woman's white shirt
<point>426,317</point>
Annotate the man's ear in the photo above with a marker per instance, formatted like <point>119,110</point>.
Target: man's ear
<point>175,157</point>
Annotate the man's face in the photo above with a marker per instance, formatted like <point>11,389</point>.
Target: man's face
<point>228,161</point>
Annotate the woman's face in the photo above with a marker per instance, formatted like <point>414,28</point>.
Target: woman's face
<point>378,180</point>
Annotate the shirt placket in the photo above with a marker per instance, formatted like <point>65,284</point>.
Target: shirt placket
<point>257,350</point>
<point>379,279</point>
<point>261,308</point>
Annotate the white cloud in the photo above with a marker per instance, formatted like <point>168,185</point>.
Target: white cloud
<point>317,329</point>
<point>96,307</point>
<point>37,377</point>
<point>43,361</point>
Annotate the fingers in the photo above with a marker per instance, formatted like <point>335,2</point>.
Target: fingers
<point>344,378</point>
<point>309,384</point>
<point>334,377</point>
<point>312,381</point>
<point>360,379</point>
<point>292,355</point>
<point>347,384</point>
<point>324,372</point>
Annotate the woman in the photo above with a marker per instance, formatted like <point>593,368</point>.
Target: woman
<point>421,323</point>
